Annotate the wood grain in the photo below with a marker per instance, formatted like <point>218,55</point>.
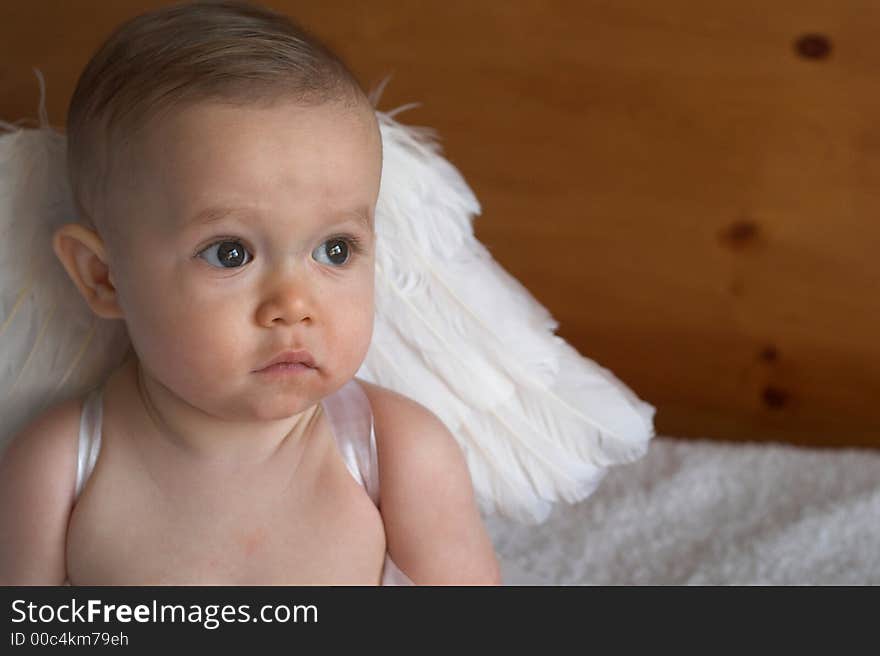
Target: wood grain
<point>691,188</point>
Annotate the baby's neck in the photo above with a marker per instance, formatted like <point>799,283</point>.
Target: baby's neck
<point>214,440</point>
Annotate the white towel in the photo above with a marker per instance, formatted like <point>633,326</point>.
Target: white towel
<point>709,513</point>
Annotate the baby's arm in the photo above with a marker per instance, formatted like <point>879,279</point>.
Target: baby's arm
<point>433,528</point>
<point>37,480</point>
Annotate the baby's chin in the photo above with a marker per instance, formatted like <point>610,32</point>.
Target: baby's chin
<point>278,404</point>
<point>272,408</point>
<point>279,411</point>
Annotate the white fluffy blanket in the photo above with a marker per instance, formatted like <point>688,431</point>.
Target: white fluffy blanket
<point>707,513</point>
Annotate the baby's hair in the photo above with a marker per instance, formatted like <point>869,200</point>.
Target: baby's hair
<point>225,51</point>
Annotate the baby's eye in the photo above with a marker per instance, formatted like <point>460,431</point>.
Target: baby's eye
<point>227,254</point>
<point>334,252</point>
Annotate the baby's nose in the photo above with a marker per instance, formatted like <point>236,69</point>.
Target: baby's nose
<point>288,302</point>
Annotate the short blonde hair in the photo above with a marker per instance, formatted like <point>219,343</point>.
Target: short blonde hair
<point>227,51</point>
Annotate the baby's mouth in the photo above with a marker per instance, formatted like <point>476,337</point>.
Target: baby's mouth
<point>289,360</point>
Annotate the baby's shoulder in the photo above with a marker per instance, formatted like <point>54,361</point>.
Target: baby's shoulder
<point>385,402</point>
<point>43,454</point>
<point>415,449</point>
<point>433,528</point>
<point>54,430</point>
<point>400,422</point>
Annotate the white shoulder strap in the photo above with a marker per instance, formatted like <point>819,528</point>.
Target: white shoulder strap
<point>351,420</point>
<point>89,438</point>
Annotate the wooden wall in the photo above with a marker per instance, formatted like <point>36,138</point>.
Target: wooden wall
<point>692,188</point>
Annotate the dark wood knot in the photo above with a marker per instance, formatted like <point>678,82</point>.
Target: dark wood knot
<point>774,397</point>
<point>739,234</point>
<point>769,353</point>
<point>813,46</point>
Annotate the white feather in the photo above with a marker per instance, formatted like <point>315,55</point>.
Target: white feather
<point>538,423</point>
<point>52,347</point>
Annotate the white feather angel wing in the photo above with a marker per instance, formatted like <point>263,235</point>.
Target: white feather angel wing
<point>538,423</point>
<point>52,346</point>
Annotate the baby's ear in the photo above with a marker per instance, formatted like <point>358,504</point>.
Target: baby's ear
<point>84,256</point>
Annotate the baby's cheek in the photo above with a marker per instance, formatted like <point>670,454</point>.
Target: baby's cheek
<point>357,329</point>
<point>183,340</point>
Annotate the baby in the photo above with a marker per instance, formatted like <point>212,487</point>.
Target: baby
<point>226,167</point>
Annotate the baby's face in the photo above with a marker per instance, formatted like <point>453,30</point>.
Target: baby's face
<point>248,232</point>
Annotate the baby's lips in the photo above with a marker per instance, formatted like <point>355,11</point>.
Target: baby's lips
<point>292,357</point>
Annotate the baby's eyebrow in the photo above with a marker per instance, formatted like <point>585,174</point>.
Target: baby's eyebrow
<point>216,213</point>
<point>366,216</point>
<point>212,214</point>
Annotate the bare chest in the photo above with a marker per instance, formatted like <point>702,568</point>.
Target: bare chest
<point>319,527</point>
